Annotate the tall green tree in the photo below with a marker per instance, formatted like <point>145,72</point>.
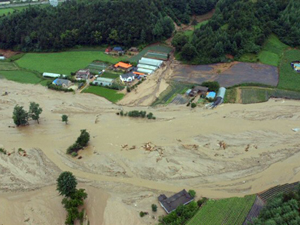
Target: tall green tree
<point>66,184</point>
<point>83,138</point>
<point>64,118</point>
<point>34,111</point>
<point>20,116</point>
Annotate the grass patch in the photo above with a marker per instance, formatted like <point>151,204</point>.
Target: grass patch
<point>225,211</point>
<point>8,66</point>
<point>21,77</point>
<point>109,94</point>
<point>270,54</point>
<point>288,78</point>
<point>230,95</point>
<point>158,48</point>
<point>64,62</point>
<point>112,75</point>
<point>171,92</point>
<point>190,33</point>
<point>251,95</point>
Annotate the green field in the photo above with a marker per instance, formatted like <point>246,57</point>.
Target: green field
<point>171,92</point>
<point>288,78</point>
<point>64,62</point>
<point>270,54</point>
<point>157,48</point>
<point>21,77</point>
<point>111,74</point>
<point>231,211</point>
<point>109,94</point>
<point>8,66</point>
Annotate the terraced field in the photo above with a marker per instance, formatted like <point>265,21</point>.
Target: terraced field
<point>231,211</point>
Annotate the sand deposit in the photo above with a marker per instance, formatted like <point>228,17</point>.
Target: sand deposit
<point>232,150</point>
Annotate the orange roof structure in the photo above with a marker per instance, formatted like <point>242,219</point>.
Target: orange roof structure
<point>138,73</point>
<point>123,65</point>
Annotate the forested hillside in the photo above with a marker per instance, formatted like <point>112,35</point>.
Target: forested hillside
<point>241,26</point>
<point>122,22</point>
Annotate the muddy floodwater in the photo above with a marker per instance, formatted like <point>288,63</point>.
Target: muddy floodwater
<point>233,150</point>
<point>228,74</point>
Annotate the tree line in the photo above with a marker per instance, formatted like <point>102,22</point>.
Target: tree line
<point>119,22</point>
<point>238,27</point>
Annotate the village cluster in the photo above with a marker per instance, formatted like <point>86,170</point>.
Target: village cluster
<point>96,73</point>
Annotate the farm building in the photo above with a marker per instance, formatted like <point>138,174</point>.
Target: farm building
<point>123,66</point>
<point>139,74</point>
<point>157,55</point>
<point>151,62</point>
<point>171,203</point>
<point>296,65</point>
<point>83,74</point>
<point>108,50</point>
<point>220,97</point>
<point>147,67</point>
<point>4,2</point>
<point>128,77</point>
<point>62,82</point>
<point>103,81</point>
<point>53,75</point>
<point>146,71</point>
<point>133,49</point>
<point>198,90</point>
<point>2,57</point>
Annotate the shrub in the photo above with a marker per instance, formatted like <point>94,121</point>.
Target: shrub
<point>192,193</point>
<point>121,113</point>
<point>212,85</point>
<point>193,105</point>
<point>74,148</point>
<point>201,201</point>
<point>142,214</point>
<point>74,154</point>
<point>154,207</point>
<point>2,150</point>
<point>150,116</point>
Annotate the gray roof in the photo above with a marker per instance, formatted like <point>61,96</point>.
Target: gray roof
<point>126,75</point>
<point>200,88</point>
<point>171,203</point>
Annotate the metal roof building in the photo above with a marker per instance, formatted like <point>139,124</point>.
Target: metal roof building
<point>147,67</point>
<point>151,62</point>
<point>53,75</point>
<point>103,81</point>
<point>141,70</point>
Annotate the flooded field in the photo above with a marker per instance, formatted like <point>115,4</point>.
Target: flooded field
<point>227,74</point>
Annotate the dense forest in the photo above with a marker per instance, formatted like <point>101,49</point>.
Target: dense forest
<point>241,26</point>
<point>283,209</point>
<point>98,22</point>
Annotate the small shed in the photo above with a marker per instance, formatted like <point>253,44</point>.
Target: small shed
<point>211,95</point>
<point>62,82</point>
<point>133,49</point>
<point>170,204</point>
<point>108,50</point>
<point>128,77</point>
<point>101,81</point>
<point>118,49</point>
<point>198,90</point>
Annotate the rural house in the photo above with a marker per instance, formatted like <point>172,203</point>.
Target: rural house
<point>101,81</point>
<point>133,49</point>
<point>171,203</point>
<point>83,74</point>
<point>198,90</point>
<point>123,66</point>
<point>128,77</point>
<point>108,50</point>
<point>62,82</point>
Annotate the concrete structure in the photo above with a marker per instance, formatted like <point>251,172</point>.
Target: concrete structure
<point>103,81</point>
<point>128,77</point>
<point>62,82</point>
<point>170,204</point>
<point>53,75</point>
